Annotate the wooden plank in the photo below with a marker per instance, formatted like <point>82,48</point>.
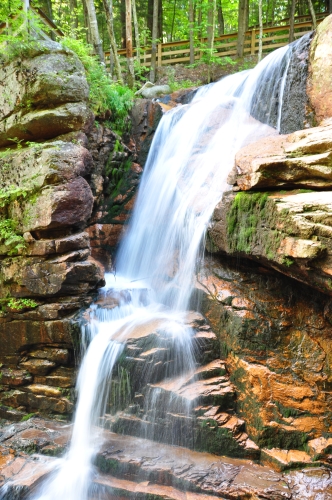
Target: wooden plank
<point>231,44</point>
<point>253,41</point>
<point>159,47</point>
<point>227,53</point>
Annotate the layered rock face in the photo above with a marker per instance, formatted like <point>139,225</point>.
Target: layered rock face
<point>275,332</point>
<point>286,223</point>
<point>48,194</point>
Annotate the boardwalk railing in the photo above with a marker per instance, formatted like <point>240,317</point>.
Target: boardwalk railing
<point>225,45</point>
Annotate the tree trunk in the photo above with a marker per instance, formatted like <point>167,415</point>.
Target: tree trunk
<point>210,25</point>
<point>108,7</point>
<point>149,16</point>
<point>242,20</point>
<point>173,19</point>
<point>312,14</point>
<point>199,21</point>
<point>221,21</point>
<point>123,23</point>
<point>137,41</point>
<point>73,17</point>
<point>86,23</point>
<point>329,6</point>
<point>191,31</point>
<point>154,41</point>
<point>260,39</point>
<point>94,30</point>
<point>291,21</point>
<point>129,45</point>
<point>160,20</point>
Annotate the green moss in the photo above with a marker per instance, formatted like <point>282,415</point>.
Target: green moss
<point>218,440</point>
<point>243,219</point>
<point>251,223</point>
<point>27,417</point>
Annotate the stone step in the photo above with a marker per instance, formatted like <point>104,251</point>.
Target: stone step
<point>112,488</point>
<point>195,410</point>
<point>129,467</point>
<point>287,459</point>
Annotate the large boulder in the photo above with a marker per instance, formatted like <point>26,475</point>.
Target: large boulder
<point>289,231</point>
<point>302,159</point>
<point>319,88</point>
<point>48,95</point>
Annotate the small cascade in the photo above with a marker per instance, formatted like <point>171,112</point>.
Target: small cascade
<point>151,364</point>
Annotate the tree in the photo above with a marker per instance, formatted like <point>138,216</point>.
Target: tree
<point>221,21</point>
<point>154,41</point>
<point>312,14</point>
<point>108,7</point>
<point>137,41</point>
<point>260,42</point>
<point>291,21</point>
<point>93,25</point>
<point>129,45</point>
<point>191,31</point>
<point>211,23</point>
<point>242,20</point>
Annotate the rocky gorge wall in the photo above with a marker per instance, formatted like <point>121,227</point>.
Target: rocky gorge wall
<point>66,187</point>
<point>278,215</point>
<point>263,387</point>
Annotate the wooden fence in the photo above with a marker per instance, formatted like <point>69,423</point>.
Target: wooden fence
<point>225,45</point>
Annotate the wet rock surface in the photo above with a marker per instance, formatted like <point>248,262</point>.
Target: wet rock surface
<point>286,230</point>
<point>302,159</point>
<point>133,467</point>
<point>275,338</point>
<point>292,104</point>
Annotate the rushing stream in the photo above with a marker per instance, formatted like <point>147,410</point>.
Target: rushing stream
<point>184,178</point>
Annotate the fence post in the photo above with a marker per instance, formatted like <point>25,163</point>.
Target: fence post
<point>253,42</point>
<point>159,55</point>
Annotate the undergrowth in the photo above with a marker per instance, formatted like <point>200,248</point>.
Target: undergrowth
<point>105,94</point>
<point>9,236</point>
<point>16,304</point>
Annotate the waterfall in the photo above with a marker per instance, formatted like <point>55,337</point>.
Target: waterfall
<point>186,173</point>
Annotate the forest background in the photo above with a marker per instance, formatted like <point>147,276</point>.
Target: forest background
<point>102,27</point>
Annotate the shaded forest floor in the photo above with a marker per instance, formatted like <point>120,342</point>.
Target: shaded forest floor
<point>180,75</point>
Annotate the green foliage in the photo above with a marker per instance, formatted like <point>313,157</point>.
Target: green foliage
<point>11,194</point>
<point>287,261</point>
<point>9,236</point>
<point>27,417</point>
<point>104,94</point>
<point>19,35</point>
<point>17,304</point>
<point>8,227</point>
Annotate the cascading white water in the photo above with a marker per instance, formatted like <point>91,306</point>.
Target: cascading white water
<point>185,176</point>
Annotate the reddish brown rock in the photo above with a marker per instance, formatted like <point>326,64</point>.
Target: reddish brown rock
<point>320,71</point>
<point>38,366</point>
<point>301,159</point>
<point>56,355</point>
<point>278,357</point>
<point>14,378</point>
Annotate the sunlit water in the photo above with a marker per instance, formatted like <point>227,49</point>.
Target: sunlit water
<point>191,155</point>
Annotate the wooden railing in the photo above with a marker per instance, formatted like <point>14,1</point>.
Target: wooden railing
<point>225,45</point>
